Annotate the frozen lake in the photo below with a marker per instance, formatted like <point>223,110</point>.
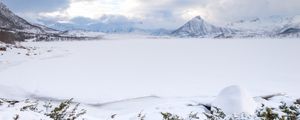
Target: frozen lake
<point>108,70</point>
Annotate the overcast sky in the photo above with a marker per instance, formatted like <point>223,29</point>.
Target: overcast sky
<point>154,13</point>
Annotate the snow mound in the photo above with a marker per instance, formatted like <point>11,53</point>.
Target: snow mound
<point>235,100</point>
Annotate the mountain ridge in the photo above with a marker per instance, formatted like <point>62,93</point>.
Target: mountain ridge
<point>273,26</point>
<point>9,20</point>
<point>198,27</point>
<point>14,28</point>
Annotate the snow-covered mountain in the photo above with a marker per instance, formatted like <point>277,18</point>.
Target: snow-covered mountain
<point>272,26</point>
<point>8,20</point>
<point>198,27</point>
<point>14,28</point>
<point>96,27</point>
<point>105,24</point>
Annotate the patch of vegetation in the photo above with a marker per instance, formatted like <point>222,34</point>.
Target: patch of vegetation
<point>61,112</point>
<point>193,116</point>
<point>297,101</point>
<point>215,114</point>
<point>32,106</point>
<point>16,117</point>
<point>290,112</point>
<point>66,110</point>
<point>241,116</point>
<point>267,113</point>
<point>9,102</point>
<point>284,112</point>
<point>169,116</point>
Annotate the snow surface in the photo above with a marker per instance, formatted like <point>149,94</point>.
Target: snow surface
<point>128,75</point>
<point>120,68</point>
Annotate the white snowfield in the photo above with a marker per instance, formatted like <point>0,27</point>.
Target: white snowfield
<point>106,73</point>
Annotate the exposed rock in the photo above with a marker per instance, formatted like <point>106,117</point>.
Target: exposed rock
<point>2,48</point>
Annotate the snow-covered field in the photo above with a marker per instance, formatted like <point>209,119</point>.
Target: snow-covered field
<point>163,74</point>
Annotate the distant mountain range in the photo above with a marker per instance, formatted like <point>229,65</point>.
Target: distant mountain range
<point>14,28</point>
<point>273,26</point>
<point>105,24</point>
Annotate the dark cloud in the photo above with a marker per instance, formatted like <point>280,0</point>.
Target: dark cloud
<point>35,5</point>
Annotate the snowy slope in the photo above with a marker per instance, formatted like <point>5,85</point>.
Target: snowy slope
<point>273,26</point>
<point>16,28</point>
<point>267,26</point>
<point>197,27</point>
<point>11,21</point>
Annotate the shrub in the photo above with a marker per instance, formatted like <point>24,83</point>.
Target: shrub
<point>62,112</point>
<point>169,116</point>
<point>290,112</point>
<point>16,117</point>
<point>215,114</point>
<point>266,113</point>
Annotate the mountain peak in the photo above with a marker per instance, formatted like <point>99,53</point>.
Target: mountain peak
<point>199,27</point>
<point>2,6</point>
<point>197,20</point>
<point>198,17</point>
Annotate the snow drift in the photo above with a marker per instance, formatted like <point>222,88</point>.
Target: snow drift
<point>235,100</point>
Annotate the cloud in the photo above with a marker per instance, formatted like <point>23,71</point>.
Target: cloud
<point>217,11</point>
<point>158,13</point>
<point>36,5</point>
<point>226,10</point>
